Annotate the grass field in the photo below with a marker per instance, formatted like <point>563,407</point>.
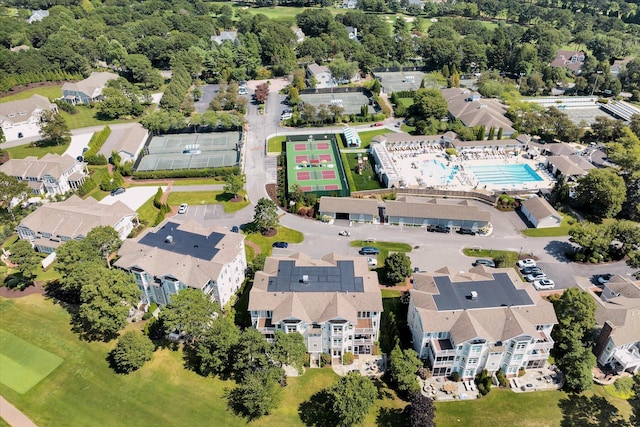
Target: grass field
<point>368,180</point>
<point>367,136</point>
<point>274,145</point>
<point>23,365</point>
<point>23,151</point>
<point>207,198</point>
<point>385,248</point>
<point>50,92</point>
<point>284,234</point>
<point>512,257</point>
<point>147,213</point>
<point>86,117</point>
<point>563,230</point>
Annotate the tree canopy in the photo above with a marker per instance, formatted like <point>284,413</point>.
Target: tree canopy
<point>350,399</point>
<point>191,312</point>
<point>265,215</point>
<point>601,192</point>
<point>133,350</point>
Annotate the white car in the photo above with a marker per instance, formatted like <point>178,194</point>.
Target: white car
<point>183,208</point>
<point>372,262</point>
<point>535,276</point>
<point>544,284</point>
<point>526,263</point>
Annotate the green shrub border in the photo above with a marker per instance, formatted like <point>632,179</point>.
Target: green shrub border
<point>95,144</point>
<point>221,172</point>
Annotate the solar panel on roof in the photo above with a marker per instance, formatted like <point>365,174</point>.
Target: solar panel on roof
<point>183,242</point>
<point>339,278</point>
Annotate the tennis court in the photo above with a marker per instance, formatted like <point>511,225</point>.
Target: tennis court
<point>191,151</point>
<point>23,364</point>
<point>314,165</point>
<point>350,101</point>
<point>400,80</point>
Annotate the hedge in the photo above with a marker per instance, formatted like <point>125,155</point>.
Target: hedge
<point>96,142</point>
<point>86,188</point>
<point>221,172</point>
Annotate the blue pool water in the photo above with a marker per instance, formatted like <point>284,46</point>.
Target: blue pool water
<point>504,174</point>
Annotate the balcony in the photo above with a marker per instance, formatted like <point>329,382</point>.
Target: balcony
<point>265,325</point>
<point>366,341</point>
<point>442,347</point>
<point>627,358</point>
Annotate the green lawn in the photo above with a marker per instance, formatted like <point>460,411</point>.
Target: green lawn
<point>50,92</point>
<point>367,136</point>
<point>563,230</point>
<point>274,145</point>
<point>196,181</point>
<point>385,248</point>
<point>23,364</point>
<point>284,234</point>
<point>206,198</point>
<point>147,213</point>
<point>23,151</point>
<point>512,257</point>
<point>406,102</point>
<point>368,180</point>
<point>86,117</point>
<point>97,174</point>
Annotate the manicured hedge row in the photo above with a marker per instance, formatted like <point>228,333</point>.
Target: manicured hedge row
<point>96,142</point>
<point>221,172</point>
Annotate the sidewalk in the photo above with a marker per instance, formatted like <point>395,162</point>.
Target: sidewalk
<point>13,416</point>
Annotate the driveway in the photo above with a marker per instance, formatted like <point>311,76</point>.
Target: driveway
<point>134,197</point>
<point>78,142</point>
<point>208,93</point>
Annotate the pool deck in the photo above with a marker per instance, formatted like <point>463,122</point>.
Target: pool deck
<point>410,164</point>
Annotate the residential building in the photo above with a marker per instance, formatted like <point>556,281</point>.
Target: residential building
<point>473,110</point>
<point>570,59</point>
<point>297,31</point>
<point>21,118</point>
<point>320,76</point>
<point>334,302</point>
<point>175,256</point>
<point>349,4</point>
<point>88,90</point>
<point>571,167</point>
<point>540,213</point>
<point>52,224</point>
<point>357,210</point>
<point>50,175</point>
<point>485,318</point>
<point>127,141</point>
<point>423,212</point>
<point>384,166</point>
<point>230,36</point>
<point>352,32</point>
<point>37,15</point>
<point>618,315</point>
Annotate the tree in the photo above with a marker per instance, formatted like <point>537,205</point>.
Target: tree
<point>11,188</point>
<point>103,240</point>
<point>233,184</point>
<point>577,365</point>
<point>134,349</point>
<point>602,192</point>
<point>403,365</point>
<point>635,402</point>
<point>251,353</point>
<point>422,411</point>
<point>215,348</point>
<point>428,103</point>
<point>257,395</point>
<point>191,312</point>
<point>262,93</point>
<point>53,128</point>
<point>105,302</point>
<point>265,215</point>
<point>289,349</point>
<point>24,256</point>
<point>397,267</point>
<point>350,399</point>
<point>3,138</point>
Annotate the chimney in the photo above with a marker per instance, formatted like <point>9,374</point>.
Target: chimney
<point>305,279</point>
<point>169,239</point>
<point>474,295</point>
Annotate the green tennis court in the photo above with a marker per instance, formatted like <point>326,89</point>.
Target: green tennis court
<point>314,165</point>
<point>23,365</point>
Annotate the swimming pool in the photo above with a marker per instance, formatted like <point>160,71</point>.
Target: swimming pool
<point>504,174</point>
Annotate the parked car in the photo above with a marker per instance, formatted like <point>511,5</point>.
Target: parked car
<point>531,270</point>
<point>344,233</point>
<point>487,262</point>
<point>535,276</point>
<point>372,262</point>
<point>375,125</point>
<point>439,229</point>
<point>80,158</point>
<point>117,191</point>
<point>235,229</point>
<point>544,284</point>
<point>183,208</point>
<point>466,231</point>
<point>281,245</point>
<point>369,250</point>
<point>526,263</point>
<point>604,278</point>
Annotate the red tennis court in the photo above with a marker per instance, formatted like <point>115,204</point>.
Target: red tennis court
<point>300,159</point>
<point>325,157</point>
<point>301,147</point>
<point>303,176</point>
<point>332,187</point>
<point>322,146</point>
<point>305,189</point>
<point>315,161</point>
<point>329,175</point>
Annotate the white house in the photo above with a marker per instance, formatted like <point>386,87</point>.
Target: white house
<point>53,224</point>
<point>21,118</point>
<point>231,36</point>
<point>540,213</point>
<point>88,90</point>
<point>334,302</point>
<point>176,256</point>
<point>37,15</point>
<point>51,175</point>
<point>489,319</point>
<point>321,76</point>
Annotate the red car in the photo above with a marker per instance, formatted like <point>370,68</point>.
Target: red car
<point>375,125</point>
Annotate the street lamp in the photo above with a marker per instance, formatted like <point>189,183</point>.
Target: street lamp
<point>596,82</point>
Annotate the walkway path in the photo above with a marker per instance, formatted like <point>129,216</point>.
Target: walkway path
<point>13,416</point>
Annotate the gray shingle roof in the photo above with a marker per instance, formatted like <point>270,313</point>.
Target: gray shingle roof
<point>540,208</point>
<point>91,86</point>
<point>476,111</point>
<point>349,205</point>
<point>415,207</point>
<point>50,164</point>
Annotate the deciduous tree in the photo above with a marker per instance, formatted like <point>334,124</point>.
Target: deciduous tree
<point>11,188</point>
<point>422,411</point>
<point>215,350</point>
<point>257,395</point>
<point>134,349</point>
<point>397,267</point>
<point>602,192</point>
<point>233,184</point>
<point>403,365</point>
<point>289,349</point>
<point>25,257</point>
<point>103,240</point>
<point>265,215</point>
<point>262,93</point>
<point>191,311</point>
<point>350,399</point>
<point>53,128</point>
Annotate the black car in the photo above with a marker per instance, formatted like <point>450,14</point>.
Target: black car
<point>487,262</point>
<point>466,231</point>
<point>281,245</point>
<point>440,229</point>
<point>235,229</point>
<point>117,191</point>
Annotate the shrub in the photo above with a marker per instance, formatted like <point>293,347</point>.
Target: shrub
<point>86,188</point>
<point>455,376</point>
<point>306,360</point>
<point>502,379</point>
<point>97,141</point>
<point>132,351</point>
<point>96,160</point>
<point>483,381</point>
<point>325,359</point>
<point>147,316</point>
<point>66,106</point>
<point>624,385</point>
<point>451,151</point>
<point>302,211</point>
<point>347,358</point>
<point>521,372</point>
<point>424,373</point>
<point>219,173</point>
<point>501,261</point>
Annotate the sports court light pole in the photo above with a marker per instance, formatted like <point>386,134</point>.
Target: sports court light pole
<point>596,82</point>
